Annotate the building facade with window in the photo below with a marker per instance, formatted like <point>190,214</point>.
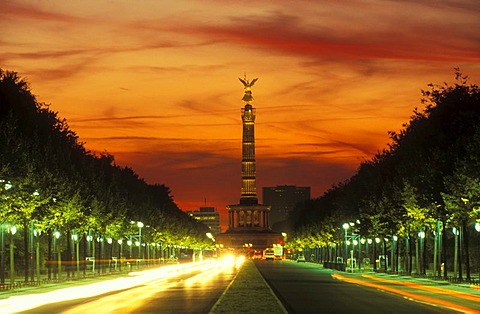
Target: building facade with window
<point>209,217</point>
<point>282,199</point>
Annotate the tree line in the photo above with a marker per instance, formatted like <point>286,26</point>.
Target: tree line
<point>427,180</point>
<point>50,182</point>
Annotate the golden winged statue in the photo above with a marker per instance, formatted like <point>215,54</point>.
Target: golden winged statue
<point>247,86</point>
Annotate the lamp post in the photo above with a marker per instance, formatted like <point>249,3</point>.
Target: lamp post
<point>12,231</point>
<point>455,255</point>
<point>6,186</point>
<point>363,241</point>
<point>385,257</point>
<point>369,242</point>
<point>394,255</point>
<point>140,226</point>
<point>110,241</point>
<point>2,262</point>
<point>377,241</point>
<point>477,228</point>
<point>52,258</point>
<point>77,250</point>
<point>36,234</point>
<point>91,250</point>
<point>101,255</point>
<point>345,227</point>
<point>137,263</point>
<point>56,236</point>
<point>421,236</point>
<point>120,243</point>
<point>129,243</point>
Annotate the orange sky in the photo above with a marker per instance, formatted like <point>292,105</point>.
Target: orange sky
<point>155,82</point>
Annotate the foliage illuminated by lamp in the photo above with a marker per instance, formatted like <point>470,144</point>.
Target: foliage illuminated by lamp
<point>12,230</point>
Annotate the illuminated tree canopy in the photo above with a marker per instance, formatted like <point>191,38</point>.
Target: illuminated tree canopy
<point>49,179</point>
<point>430,172</point>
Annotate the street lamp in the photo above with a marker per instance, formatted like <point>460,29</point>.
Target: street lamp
<point>56,235</point>
<point>140,226</point>
<point>377,241</point>
<point>129,243</point>
<point>120,252</point>
<point>345,227</point>
<point>394,253</point>
<point>75,241</point>
<point>36,233</point>
<point>477,228</point>
<point>455,255</point>
<point>111,258</point>
<point>91,250</point>
<point>12,231</point>
<point>101,255</point>
<point>6,186</point>
<point>421,236</point>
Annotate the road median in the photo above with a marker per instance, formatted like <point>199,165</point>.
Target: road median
<point>248,293</point>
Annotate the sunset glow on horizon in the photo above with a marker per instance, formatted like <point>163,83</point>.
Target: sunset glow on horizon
<point>155,83</point>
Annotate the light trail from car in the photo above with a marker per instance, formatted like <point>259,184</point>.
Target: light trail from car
<point>144,281</point>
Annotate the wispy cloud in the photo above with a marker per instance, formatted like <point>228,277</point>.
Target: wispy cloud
<point>156,84</point>
<point>417,39</point>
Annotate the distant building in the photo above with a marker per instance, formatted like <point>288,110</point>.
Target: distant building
<point>283,199</point>
<point>207,216</point>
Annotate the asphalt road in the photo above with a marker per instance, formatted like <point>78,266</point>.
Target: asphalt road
<point>307,288</point>
<point>186,292</point>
